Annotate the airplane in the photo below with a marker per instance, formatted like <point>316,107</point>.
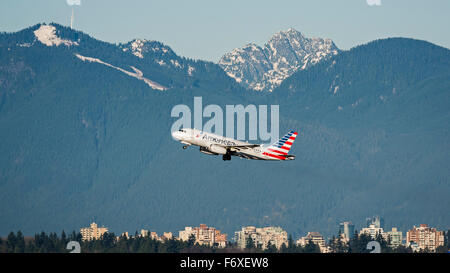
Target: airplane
<point>213,144</point>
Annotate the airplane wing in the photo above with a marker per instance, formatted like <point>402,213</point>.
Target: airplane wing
<point>240,147</point>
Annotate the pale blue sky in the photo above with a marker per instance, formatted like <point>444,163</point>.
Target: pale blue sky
<point>206,29</point>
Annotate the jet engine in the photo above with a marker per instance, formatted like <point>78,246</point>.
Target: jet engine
<point>218,149</point>
<point>206,151</point>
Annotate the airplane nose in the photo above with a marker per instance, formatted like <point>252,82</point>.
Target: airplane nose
<point>176,135</point>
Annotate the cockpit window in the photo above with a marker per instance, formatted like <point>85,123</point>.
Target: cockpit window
<point>181,130</point>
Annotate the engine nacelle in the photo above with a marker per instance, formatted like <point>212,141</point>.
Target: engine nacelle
<point>218,149</point>
<point>206,151</point>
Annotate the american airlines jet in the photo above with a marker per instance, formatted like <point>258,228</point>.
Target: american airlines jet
<point>218,145</point>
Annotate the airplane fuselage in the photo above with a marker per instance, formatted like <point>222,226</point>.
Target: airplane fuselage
<point>213,144</point>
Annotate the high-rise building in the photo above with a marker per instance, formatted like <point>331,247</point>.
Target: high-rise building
<point>144,233</point>
<point>153,235</point>
<point>425,237</point>
<point>261,237</point>
<point>314,237</point>
<point>204,235</point>
<point>395,237</point>
<point>347,230</point>
<point>377,221</point>
<point>167,236</point>
<point>93,232</point>
<point>373,231</point>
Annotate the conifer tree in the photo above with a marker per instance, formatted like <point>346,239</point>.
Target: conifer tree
<point>249,244</point>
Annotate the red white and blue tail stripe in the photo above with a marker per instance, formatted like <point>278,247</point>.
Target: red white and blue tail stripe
<point>280,149</point>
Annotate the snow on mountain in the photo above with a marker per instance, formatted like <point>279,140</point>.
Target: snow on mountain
<point>140,47</point>
<point>160,53</point>
<point>46,34</point>
<point>264,68</point>
<point>136,74</point>
<point>143,47</point>
<point>137,47</point>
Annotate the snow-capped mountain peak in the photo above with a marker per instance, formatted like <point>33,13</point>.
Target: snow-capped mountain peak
<point>264,68</point>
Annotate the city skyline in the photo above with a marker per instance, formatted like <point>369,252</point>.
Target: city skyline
<point>417,238</point>
<point>339,228</point>
<point>422,238</point>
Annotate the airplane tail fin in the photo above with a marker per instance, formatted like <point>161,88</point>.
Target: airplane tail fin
<point>283,145</point>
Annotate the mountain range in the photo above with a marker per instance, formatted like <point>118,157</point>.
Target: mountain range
<point>265,68</point>
<point>85,135</point>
